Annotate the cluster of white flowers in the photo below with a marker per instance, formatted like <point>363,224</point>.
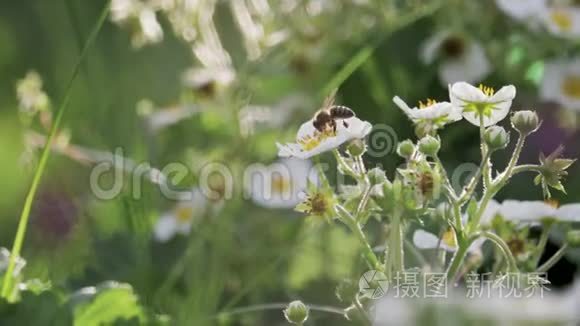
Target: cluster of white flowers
<point>141,17</point>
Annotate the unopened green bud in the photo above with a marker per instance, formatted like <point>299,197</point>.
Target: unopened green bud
<point>496,137</point>
<point>573,238</point>
<point>429,145</point>
<point>296,312</point>
<point>377,176</point>
<point>406,149</point>
<point>357,147</point>
<point>525,122</point>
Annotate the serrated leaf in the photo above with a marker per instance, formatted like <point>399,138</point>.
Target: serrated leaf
<point>106,304</point>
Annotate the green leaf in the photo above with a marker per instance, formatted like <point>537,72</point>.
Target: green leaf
<point>106,304</point>
<point>48,308</point>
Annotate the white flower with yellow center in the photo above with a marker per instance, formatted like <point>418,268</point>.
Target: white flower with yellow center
<point>311,142</point>
<point>282,184</point>
<point>460,58</point>
<point>482,102</point>
<point>563,21</point>
<point>561,83</point>
<point>522,9</point>
<point>448,242</point>
<point>437,113</point>
<point>182,217</point>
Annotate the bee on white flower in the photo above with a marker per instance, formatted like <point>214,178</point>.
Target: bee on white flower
<point>561,83</point>
<point>319,135</point>
<point>482,102</point>
<point>460,58</point>
<point>430,116</point>
<point>282,184</point>
<point>185,215</point>
<point>448,242</point>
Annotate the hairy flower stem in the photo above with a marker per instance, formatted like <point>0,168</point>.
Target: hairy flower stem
<point>7,285</point>
<point>355,227</point>
<point>457,260</point>
<point>509,171</point>
<point>472,184</point>
<point>498,241</point>
<point>485,155</point>
<point>344,166</point>
<point>553,260</point>
<point>396,242</point>
<point>542,244</point>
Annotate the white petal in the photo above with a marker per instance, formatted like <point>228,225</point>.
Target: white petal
<point>425,240</point>
<point>430,48</point>
<point>462,93</point>
<point>555,74</point>
<point>403,106</point>
<point>569,213</point>
<point>165,228</point>
<point>572,13</point>
<point>522,9</point>
<point>526,211</point>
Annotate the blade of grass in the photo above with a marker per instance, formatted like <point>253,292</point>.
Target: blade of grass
<point>23,222</point>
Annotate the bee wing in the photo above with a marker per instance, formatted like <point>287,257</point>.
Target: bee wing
<point>329,100</point>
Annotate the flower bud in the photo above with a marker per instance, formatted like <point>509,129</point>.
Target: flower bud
<point>377,176</point>
<point>429,145</point>
<point>296,312</point>
<point>357,147</point>
<point>406,149</point>
<point>496,137</point>
<point>573,238</point>
<point>525,122</point>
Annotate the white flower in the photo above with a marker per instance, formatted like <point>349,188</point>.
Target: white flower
<point>438,113</point>
<point>482,101</point>
<point>448,242</point>
<point>150,31</point>
<point>569,213</point>
<point>182,217</point>
<point>282,184</point>
<point>526,211</point>
<point>522,9</point>
<point>310,141</point>
<point>461,59</point>
<point>209,78</point>
<point>563,21</point>
<point>561,83</point>
<point>30,93</point>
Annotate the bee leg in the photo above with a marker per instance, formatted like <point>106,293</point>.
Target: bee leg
<point>345,124</point>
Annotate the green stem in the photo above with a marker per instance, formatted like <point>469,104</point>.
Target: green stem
<point>542,244</point>
<point>553,260</point>
<point>472,184</point>
<point>486,171</point>
<point>498,241</point>
<point>525,168</point>
<point>504,177</point>
<point>396,243</point>
<point>456,261</point>
<point>345,167</point>
<point>451,195</point>
<point>355,227</point>
<point>23,222</point>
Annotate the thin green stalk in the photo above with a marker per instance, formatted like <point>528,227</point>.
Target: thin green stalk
<point>542,244</point>
<point>504,177</point>
<point>451,195</point>
<point>23,222</point>
<point>487,196</point>
<point>486,171</point>
<point>498,241</point>
<point>355,227</point>
<point>553,260</point>
<point>472,184</point>
<point>345,167</point>
<point>396,242</point>
<point>525,168</point>
<point>456,261</point>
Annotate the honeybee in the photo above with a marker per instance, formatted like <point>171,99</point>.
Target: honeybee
<point>325,119</point>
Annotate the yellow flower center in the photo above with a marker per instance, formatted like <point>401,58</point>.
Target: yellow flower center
<point>488,91</point>
<point>448,238</point>
<point>280,185</point>
<point>311,142</point>
<point>562,19</point>
<point>571,86</point>
<point>552,202</point>
<point>429,102</point>
<point>183,214</point>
